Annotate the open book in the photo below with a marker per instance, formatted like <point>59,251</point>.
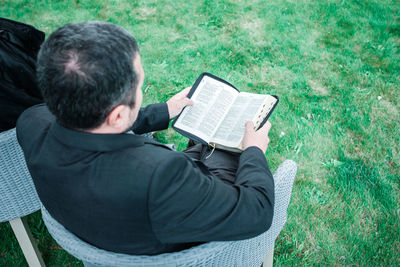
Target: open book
<point>220,112</point>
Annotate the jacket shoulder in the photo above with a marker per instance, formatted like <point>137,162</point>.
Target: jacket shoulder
<point>33,123</point>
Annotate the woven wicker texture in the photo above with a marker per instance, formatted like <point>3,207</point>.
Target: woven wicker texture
<point>250,252</point>
<point>18,195</point>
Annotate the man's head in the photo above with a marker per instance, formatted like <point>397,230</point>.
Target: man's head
<point>89,71</point>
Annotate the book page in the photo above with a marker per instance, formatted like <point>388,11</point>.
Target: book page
<point>245,108</point>
<point>212,100</point>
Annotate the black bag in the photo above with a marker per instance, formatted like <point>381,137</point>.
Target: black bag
<point>19,45</point>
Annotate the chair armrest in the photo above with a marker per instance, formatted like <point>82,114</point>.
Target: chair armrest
<point>254,250</point>
<point>284,179</point>
<point>18,195</point>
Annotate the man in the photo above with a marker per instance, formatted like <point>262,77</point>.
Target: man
<point>121,191</point>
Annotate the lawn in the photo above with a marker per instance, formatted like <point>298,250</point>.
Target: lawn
<point>335,66</point>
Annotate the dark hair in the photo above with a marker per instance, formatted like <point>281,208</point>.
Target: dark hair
<point>86,69</point>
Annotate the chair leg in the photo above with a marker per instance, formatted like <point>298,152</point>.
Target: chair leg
<point>27,242</point>
<point>269,259</point>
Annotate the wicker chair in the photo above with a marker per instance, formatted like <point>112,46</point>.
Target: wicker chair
<point>250,252</point>
<point>18,196</point>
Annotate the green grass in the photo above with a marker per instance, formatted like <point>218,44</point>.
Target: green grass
<point>334,64</point>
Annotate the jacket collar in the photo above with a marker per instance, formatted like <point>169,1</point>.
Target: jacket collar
<point>98,142</point>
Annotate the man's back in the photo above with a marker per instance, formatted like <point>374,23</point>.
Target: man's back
<point>129,194</point>
<point>95,187</point>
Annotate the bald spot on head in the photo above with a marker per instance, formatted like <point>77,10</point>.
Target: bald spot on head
<point>72,65</point>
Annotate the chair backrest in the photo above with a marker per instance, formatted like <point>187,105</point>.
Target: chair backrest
<point>249,252</point>
<point>209,254</point>
<point>18,195</point>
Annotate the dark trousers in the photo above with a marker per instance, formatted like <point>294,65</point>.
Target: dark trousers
<point>222,164</point>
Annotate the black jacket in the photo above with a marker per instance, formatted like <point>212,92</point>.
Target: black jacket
<point>19,45</point>
<point>130,194</point>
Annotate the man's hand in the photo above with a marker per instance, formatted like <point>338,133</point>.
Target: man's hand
<point>178,102</point>
<point>258,138</point>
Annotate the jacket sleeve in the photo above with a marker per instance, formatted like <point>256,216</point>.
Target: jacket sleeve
<point>154,117</point>
<point>189,204</point>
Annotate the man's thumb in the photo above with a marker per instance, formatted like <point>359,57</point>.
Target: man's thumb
<point>188,102</point>
<point>249,126</point>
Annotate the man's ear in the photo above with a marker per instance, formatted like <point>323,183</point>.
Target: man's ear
<point>118,117</point>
